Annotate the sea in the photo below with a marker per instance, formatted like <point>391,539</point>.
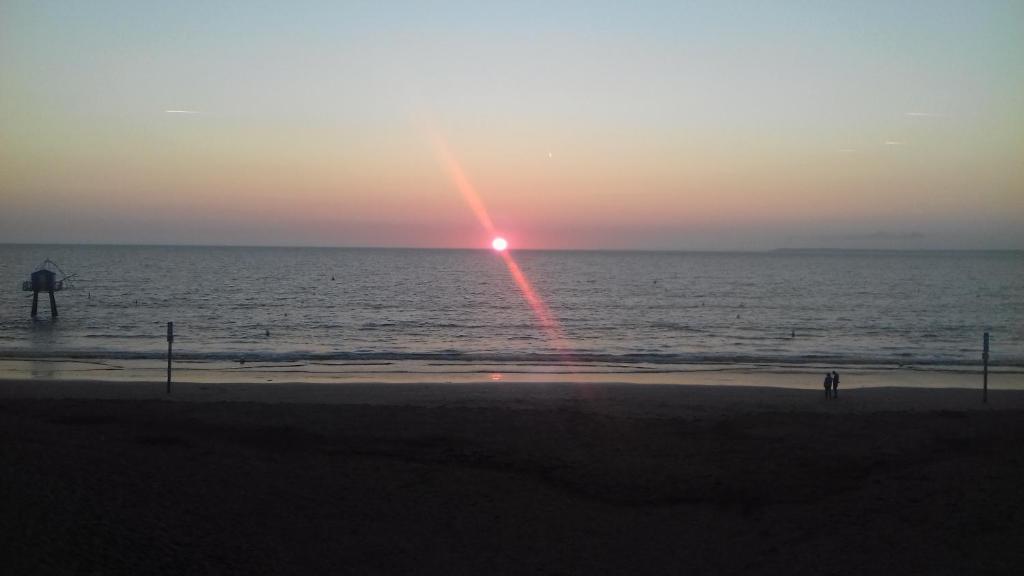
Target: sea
<point>592,310</point>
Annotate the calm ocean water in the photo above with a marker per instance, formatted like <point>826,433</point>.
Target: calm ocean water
<point>613,307</point>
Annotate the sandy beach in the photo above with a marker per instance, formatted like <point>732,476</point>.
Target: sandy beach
<point>547,478</point>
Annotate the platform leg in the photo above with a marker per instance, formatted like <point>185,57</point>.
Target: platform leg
<point>35,303</point>
<point>53,305</point>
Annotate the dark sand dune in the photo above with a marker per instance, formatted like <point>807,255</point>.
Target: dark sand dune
<point>630,486</point>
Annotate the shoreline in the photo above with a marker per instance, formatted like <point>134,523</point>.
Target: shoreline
<point>803,377</point>
<point>654,361</point>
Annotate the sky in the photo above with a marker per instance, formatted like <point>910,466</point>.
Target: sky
<point>577,125</point>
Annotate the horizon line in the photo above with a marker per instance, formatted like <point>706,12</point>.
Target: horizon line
<point>489,249</point>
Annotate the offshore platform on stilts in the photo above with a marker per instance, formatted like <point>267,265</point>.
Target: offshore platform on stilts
<point>45,280</point>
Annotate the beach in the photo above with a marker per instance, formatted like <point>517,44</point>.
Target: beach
<point>500,289</point>
<point>508,478</point>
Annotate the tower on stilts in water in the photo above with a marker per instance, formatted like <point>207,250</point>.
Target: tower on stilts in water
<point>45,280</point>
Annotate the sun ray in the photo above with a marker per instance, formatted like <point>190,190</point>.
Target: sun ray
<point>545,318</point>
<point>540,309</point>
<point>463,185</point>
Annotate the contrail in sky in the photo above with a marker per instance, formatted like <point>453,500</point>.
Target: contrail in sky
<point>181,112</point>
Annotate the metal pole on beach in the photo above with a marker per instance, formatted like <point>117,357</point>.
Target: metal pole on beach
<point>170,339</point>
<point>984,359</point>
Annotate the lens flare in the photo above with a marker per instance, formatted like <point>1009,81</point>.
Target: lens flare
<point>547,321</point>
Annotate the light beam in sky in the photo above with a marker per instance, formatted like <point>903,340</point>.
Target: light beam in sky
<point>464,186</point>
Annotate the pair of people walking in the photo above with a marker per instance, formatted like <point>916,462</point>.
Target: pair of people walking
<point>832,384</point>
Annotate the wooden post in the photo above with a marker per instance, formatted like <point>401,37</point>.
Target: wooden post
<point>35,303</point>
<point>984,359</point>
<point>53,305</point>
<point>170,339</point>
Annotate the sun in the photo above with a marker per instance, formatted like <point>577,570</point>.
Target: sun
<point>499,244</point>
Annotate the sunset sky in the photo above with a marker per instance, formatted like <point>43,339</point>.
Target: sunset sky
<point>676,125</point>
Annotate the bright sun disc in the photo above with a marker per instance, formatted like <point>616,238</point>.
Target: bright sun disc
<point>499,244</point>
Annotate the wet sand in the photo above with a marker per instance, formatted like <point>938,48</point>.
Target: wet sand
<point>508,479</point>
<point>808,377</point>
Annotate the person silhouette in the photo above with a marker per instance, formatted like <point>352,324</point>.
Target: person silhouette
<point>835,384</point>
<point>828,384</point>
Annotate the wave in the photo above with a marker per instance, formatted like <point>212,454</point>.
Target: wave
<point>902,360</point>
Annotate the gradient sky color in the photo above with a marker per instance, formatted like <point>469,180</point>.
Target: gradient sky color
<point>676,125</point>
